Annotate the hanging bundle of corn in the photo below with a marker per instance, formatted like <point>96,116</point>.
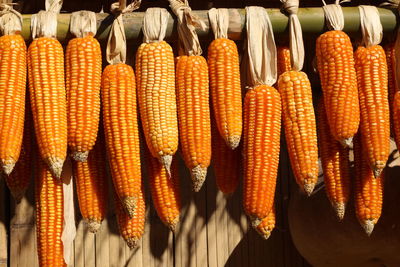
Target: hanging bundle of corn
<point>131,228</point>
<point>368,189</point>
<point>192,95</point>
<point>12,86</point>
<point>262,118</point>
<point>120,120</point>
<point>47,89</point>
<point>226,162</point>
<point>335,165</point>
<point>335,64</point>
<point>224,70</point>
<point>83,78</point>
<point>297,108</point>
<point>372,78</point>
<point>91,185</point>
<point>18,180</point>
<point>164,190</point>
<point>155,75</point>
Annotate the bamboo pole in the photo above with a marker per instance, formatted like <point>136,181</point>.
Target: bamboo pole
<point>311,19</point>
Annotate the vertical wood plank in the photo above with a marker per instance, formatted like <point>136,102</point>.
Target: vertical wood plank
<point>102,243</point>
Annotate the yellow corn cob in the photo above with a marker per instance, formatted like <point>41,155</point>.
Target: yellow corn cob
<point>336,70</point>
<point>335,164</point>
<point>283,57</point>
<point>396,118</point>
<point>368,190</point>
<point>91,185</point>
<point>391,66</point>
<point>49,217</point>
<point>122,134</point>
<point>12,98</point>
<point>83,78</point>
<point>194,116</point>
<point>131,229</point>
<point>19,179</point>
<point>267,225</point>
<point>48,100</point>
<point>262,126</point>
<point>224,70</point>
<point>226,163</point>
<point>155,76</point>
<point>300,127</point>
<point>373,92</point>
<point>164,191</point>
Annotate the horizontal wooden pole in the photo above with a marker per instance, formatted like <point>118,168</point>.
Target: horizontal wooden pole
<point>311,19</point>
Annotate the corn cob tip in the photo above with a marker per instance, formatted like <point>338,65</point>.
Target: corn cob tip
<point>233,141</point>
<point>309,188</point>
<point>93,225</point>
<point>368,226</point>
<point>264,234</point>
<point>378,168</point>
<point>8,167</point>
<point>130,204</point>
<point>348,142</point>
<point>172,225</point>
<point>132,242</point>
<point>80,156</point>
<point>198,174</point>
<point>255,222</point>
<point>55,166</point>
<point>166,161</point>
<point>340,208</point>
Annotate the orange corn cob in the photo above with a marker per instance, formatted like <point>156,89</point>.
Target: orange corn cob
<point>262,127</point>
<point>267,225</point>
<point>373,92</point>
<point>131,229</point>
<point>391,66</point>
<point>300,127</point>
<point>12,98</point>
<point>83,78</point>
<point>283,57</point>
<point>155,76</point>
<point>164,191</point>
<point>335,65</point>
<point>335,165</point>
<point>368,190</point>
<point>48,100</point>
<point>396,118</point>
<point>91,185</point>
<point>49,217</point>
<point>19,179</point>
<point>194,116</point>
<point>224,70</point>
<point>226,163</point>
<point>122,134</point>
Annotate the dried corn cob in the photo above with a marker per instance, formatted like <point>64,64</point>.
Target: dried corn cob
<point>12,98</point>
<point>267,225</point>
<point>396,118</point>
<point>391,66</point>
<point>300,127</point>
<point>368,190</point>
<point>19,179</point>
<point>262,126</point>
<point>335,65</point>
<point>335,164</point>
<point>83,78</point>
<point>226,163</point>
<point>164,191</point>
<point>91,185</point>
<point>194,116</point>
<point>155,76</point>
<point>122,134</point>
<point>283,58</point>
<point>49,217</point>
<point>223,64</point>
<point>48,100</point>
<point>131,229</point>
<point>373,92</point>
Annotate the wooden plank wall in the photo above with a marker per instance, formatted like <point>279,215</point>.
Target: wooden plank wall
<point>213,232</point>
